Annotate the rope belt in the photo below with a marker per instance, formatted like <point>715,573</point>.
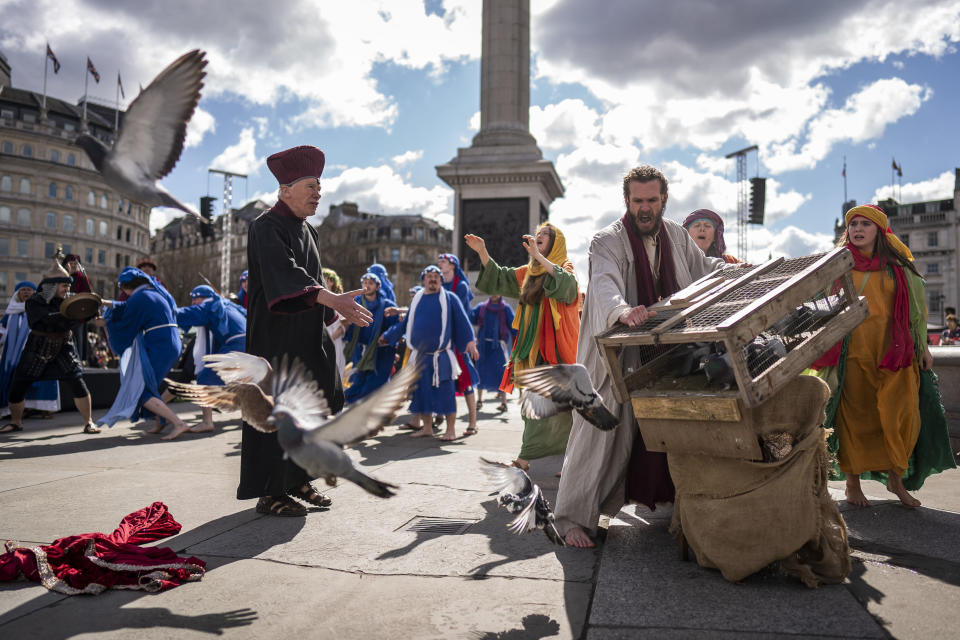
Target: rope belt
<point>159,326</point>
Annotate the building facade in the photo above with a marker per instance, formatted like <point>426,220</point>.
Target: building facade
<point>932,231</point>
<point>50,193</point>
<point>352,240</point>
<point>186,252</point>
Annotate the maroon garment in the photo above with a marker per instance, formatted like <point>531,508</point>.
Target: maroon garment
<point>648,476</point>
<point>94,562</point>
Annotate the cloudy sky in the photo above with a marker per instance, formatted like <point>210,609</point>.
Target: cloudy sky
<point>390,89</point>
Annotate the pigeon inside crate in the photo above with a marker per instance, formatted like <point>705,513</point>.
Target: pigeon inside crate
<point>750,330</point>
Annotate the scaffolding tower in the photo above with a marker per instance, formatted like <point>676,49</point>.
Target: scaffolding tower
<point>226,226</point>
<point>743,189</point>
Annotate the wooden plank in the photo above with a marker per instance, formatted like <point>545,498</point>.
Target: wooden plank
<point>717,439</point>
<point>806,353</point>
<point>740,371</point>
<point>612,362</point>
<point>686,406</point>
<point>691,291</point>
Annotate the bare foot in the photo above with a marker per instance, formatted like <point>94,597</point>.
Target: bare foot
<point>178,429</point>
<point>423,433</point>
<point>577,537</point>
<point>448,436</point>
<point>157,427</point>
<point>895,486</point>
<point>201,428</point>
<point>854,493</point>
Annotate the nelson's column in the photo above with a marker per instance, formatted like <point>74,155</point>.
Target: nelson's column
<point>502,184</point>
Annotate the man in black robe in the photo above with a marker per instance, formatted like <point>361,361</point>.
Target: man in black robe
<point>286,312</point>
<point>49,353</point>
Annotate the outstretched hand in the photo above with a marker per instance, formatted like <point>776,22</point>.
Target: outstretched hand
<point>479,245</point>
<point>530,244</point>
<point>345,305</point>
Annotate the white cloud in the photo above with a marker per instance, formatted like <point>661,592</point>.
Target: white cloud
<point>199,126</point>
<point>407,157</point>
<point>240,157</point>
<point>380,189</point>
<point>161,217</point>
<point>789,242</point>
<point>735,71</point>
<point>938,188</point>
<point>565,124</point>
<point>864,116</point>
<point>315,56</point>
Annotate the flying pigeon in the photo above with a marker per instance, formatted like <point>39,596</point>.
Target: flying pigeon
<point>151,137</point>
<point>551,389</point>
<point>247,387</point>
<point>315,442</point>
<point>519,495</point>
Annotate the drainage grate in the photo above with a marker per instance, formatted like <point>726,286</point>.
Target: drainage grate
<point>438,526</point>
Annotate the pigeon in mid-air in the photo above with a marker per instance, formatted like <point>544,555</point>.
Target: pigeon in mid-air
<point>151,137</point>
<point>316,443</point>
<point>247,387</point>
<point>551,389</point>
<point>519,495</point>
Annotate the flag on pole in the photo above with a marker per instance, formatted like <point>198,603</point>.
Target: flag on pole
<point>50,54</point>
<point>120,86</point>
<point>93,70</point>
<point>897,168</point>
<point>844,173</point>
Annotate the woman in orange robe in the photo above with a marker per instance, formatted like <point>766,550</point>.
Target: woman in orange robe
<point>876,409</point>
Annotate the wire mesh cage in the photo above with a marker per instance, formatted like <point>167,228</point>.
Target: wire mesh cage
<point>737,334</point>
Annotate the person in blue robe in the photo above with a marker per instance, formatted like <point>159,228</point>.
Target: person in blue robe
<point>455,281</point>
<point>372,362</point>
<point>43,395</point>
<point>386,286</point>
<point>244,283</point>
<point>435,326</point>
<point>495,336</point>
<point>146,324</point>
<point>221,326</point>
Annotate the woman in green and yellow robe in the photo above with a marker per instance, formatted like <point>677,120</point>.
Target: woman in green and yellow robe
<point>885,409</point>
<point>547,322</point>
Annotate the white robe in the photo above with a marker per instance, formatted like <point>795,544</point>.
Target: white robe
<point>594,469</point>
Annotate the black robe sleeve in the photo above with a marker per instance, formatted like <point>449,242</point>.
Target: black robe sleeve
<point>43,316</point>
<point>287,287</point>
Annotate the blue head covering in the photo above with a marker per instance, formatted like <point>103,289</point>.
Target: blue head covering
<point>455,261</point>
<point>386,286</point>
<point>203,291</point>
<point>371,276</point>
<point>244,276</point>
<point>25,283</point>
<point>415,289</point>
<point>131,273</point>
<point>430,269</point>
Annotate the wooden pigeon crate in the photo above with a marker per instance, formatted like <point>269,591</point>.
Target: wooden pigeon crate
<point>731,307</point>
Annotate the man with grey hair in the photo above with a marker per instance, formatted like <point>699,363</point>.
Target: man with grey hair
<point>634,262</point>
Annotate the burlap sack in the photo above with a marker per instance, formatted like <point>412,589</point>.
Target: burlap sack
<point>740,515</point>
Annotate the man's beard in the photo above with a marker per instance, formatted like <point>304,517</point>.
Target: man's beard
<point>656,226</point>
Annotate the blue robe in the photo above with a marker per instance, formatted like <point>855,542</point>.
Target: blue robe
<point>463,293</point>
<point>43,394</point>
<point>225,324</point>
<point>494,349</point>
<point>363,383</point>
<point>436,390</point>
<point>145,322</point>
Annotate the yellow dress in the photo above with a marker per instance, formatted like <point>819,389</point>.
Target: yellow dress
<point>878,418</point>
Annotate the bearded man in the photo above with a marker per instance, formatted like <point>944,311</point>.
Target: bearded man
<point>634,262</point>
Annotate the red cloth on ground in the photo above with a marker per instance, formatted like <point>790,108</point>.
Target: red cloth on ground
<point>95,562</point>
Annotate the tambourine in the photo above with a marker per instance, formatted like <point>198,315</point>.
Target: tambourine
<point>82,306</point>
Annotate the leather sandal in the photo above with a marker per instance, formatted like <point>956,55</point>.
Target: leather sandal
<point>311,496</point>
<point>282,506</point>
<point>91,428</point>
<point>11,428</point>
